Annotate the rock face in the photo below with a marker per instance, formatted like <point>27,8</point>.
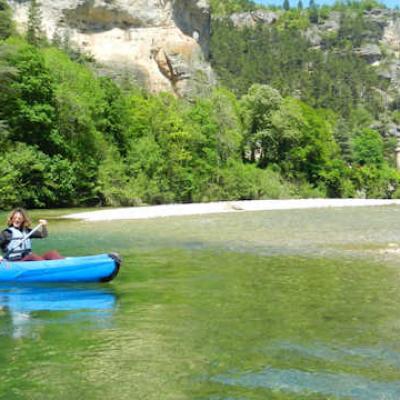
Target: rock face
<point>251,19</point>
<point>391,35</point>
<point>371,52</point>
<point>162,43</point>
<point>391,44</point>
<point>380,46</point>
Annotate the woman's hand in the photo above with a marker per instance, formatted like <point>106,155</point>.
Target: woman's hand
<point>43,222</point>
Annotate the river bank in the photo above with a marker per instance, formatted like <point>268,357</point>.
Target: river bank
<point>172,210</point>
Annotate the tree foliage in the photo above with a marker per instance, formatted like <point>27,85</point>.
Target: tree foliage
<point>34,33</point>
<point>286,60</point>
<point>288,120</point>
<point>6,24</point>
<point>231,6</point>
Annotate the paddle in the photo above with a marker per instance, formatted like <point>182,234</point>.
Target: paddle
<point>22,240</point>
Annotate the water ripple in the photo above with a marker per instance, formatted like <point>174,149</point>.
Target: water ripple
<point>324,383</point>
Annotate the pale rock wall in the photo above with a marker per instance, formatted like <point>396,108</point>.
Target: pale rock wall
<point>252,18</point>
<point>391,35</point>
<point>162,43</point>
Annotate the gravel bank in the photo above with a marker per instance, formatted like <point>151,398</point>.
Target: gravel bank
<point>172,210</point>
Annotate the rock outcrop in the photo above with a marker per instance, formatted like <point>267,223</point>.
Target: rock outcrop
<point>380,45</point>
<point>251,19</point>
<point>162,43</point>
<point>391,35</point>
<point>371,52</point>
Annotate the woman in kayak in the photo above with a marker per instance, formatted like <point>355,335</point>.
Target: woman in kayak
<point>12,239</point>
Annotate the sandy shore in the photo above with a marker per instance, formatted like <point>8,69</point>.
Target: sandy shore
<point>172,210</point>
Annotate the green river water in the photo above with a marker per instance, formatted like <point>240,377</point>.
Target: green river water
<point>300,304</point>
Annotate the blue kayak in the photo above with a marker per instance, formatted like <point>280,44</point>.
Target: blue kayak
<point>98,268</point>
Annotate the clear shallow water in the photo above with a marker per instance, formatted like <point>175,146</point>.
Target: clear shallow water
<point>267,305</point>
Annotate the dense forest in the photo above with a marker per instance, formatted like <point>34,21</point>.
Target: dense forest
<point>287,120</point>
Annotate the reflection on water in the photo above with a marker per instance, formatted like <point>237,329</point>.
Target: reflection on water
<point>24,302</point>
<point>323,383</point>
<point>357,356</point>
<point>271,305</point>
<point>323,380</point>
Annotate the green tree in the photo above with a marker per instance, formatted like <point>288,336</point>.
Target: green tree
<point>226,112</point>
<point>7,74</point>
<point>257,108</point>
<point>338,179</point>
<point>377,181</point>
<point>23,177</point>
<point>56,39</point>
<point>300,5</point>
<point>115,115</point>
<point>29,105</point>
<point>286,5</point>
<point>368,148</point>
<point>316,148</point>
<point>313,12</point>
<point>159,158</point>
<point>342,133</point>
<point>80,103</point>
<point>34,33</point>
<point>244,181</point>
<point>33,179</point>
<point>288,133</point>
<point>7,71</point>
<point>6,25</point>
<point>230,6</point>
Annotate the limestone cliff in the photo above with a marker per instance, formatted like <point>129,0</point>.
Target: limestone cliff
<point>380,47</point>
<point>162,43</point>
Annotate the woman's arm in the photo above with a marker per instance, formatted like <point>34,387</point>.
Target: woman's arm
<point>5,237</point>
<point>42,232</point>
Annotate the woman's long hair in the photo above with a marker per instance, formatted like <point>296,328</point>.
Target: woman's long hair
<point>26,223</point>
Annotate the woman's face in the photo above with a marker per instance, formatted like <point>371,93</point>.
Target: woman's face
<point>17,219</point>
